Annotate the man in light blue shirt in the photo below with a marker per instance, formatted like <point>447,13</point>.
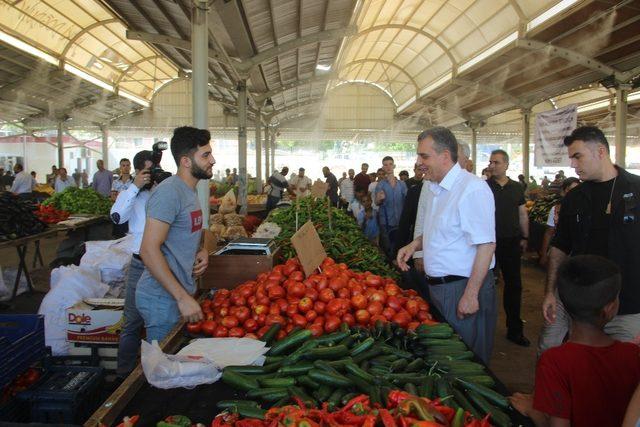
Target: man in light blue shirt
<point>389,196</point>
<point>102,180</point>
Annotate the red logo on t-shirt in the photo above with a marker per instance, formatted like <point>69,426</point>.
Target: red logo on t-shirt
<point>196,220</point>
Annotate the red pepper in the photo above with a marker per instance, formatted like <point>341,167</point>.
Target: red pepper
<point>426,424</point>
<point>129,421</point>
<point>397,396</point>
<point>299,402</point>
<point>370,421</point>
<point>363,398</point>
<point>447,411</point>
<point>473,423</point>
<point>485,421</point>
<point>387,418</point>
<point>249,422</point>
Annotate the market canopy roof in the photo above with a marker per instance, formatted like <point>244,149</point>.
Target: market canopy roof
<point>444,62</point>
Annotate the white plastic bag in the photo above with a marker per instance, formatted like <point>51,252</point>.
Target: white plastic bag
<point>172,371</point>
<point>227,351</point>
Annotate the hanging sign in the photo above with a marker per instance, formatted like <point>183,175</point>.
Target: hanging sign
<point>551,128</point>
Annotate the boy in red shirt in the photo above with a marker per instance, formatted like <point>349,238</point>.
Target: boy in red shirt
<point>589,380</point>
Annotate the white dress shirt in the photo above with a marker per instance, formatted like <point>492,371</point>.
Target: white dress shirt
<point>61,185</point>
<point>460,215</point>
<point>301,185</point>
<point>422,210</point>
<point>130,205</point>
<point>23,183</point>
<point>346,189</point>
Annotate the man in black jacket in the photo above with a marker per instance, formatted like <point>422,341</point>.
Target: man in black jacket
<point>601,217</point>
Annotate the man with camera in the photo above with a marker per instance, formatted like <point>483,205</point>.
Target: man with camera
<point>169,248</point>
<point>130,206</point>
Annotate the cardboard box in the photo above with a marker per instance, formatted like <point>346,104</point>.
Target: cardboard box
<point>107,354</point>
<point>85,323</point>
<point>229,271</point>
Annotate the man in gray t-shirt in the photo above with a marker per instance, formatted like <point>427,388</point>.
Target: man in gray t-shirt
<point>171,238</point>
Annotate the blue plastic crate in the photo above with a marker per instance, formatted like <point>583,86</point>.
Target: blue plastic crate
<point>14,410</point>
<point>65,394</point>
<point>21,344</point>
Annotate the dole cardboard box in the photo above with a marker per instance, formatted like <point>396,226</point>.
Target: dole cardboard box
<point>95,320</point>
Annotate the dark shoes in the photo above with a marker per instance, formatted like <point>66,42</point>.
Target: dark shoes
<point>519,339</point>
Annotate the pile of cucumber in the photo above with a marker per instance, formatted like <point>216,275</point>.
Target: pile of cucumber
<point>430,362</point>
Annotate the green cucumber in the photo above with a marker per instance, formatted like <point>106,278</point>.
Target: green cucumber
<point>332,338</point>
<point>354,369</point>
<point>297,369</point>
<point>277,382</point>
<point>295,357</point>
<point>443,389</point>
<point>361,385</point>
<point>300,394</point>
<point>411,389</point>
<point>498,418</point>
<point>250,412</point>
<point>307,382</point>
<point>367,354</point>
<point>425,389</point>
<point>271,333</point>
<point>415,365</point>
<point>329,378</point>
<point>465,404</point>
<point>399,365</point>
<point>458,418</point>
<point>273,359</point>
<point>289,342</point>
<point>484,380</point>
<point>226,404</point>
<point>324,353</point>
<point>323,392</point>
<point>362,347</point>
<point>239,381</point>
<point>254,370</point>
<point>325,366</point>
<point>347,397</point>
<point>335,398</point>
<point>270,394</point>
<point>491,395</point>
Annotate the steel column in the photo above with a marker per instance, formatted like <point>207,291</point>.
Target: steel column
<point>242,146</point>
<point>474,147</point>
<point>199,88</point>
<point>621,124</point>
<point>273,149</point>
<point>267,157</point>
<point>258,152</point>
<point>526,124</point>
<point>105,146</point>
<point>61,144</point>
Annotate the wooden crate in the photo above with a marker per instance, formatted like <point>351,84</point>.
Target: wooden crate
<point>229,271</point>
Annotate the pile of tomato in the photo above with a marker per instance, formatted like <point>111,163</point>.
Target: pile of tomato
<point>50,215</point>
<point>320,303</point>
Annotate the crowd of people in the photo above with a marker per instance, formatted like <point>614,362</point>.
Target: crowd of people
<point>451,232</point>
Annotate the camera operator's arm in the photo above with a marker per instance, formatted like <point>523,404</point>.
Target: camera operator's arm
<point>123,206</point>
<point>155,233</point>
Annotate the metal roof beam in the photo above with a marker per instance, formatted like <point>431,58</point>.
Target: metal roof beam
<point>298,83</point>
<point>247,65</point>
<point>490,89</point>
<point>569,55</point>
<point>390,64</point>
<point>176,42</point>
<point>293,107</point>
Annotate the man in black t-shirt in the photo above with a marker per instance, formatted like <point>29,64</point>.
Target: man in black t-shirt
<point>602,217</point>
<point>512,233</point>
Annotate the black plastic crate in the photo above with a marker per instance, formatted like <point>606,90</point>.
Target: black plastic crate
<point>65,394</point>
<point>14,410</point>
<point>21,344</point>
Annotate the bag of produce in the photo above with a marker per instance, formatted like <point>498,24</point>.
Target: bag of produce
<point>216,219</point>
<point>232,219</point>
<point>235,232</point>
<point>228,203</point>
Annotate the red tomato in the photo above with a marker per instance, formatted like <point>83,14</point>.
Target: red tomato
<point>413,325</point>
<point>238,300</point>
<point>402,318</point>
<point>374,308</point>
<point>349,319</point>
<point>276,292</point>
<point>359,301</point>
<point>319,321</point>
<point>331,324</point>
<point>392,289</point>
<point>344,293</point>
<point>276,276</point>
<point>282,303</point>
<point>299,320</point>
<point>305,305</point>
<point>422,305</point>
<point>281,334</point>
<point>394,302</point>
<point>296,289</point>
<point>262,277</point>
<point>319,307</point>
<point>251,335</point>
<point>229,321</point>
<point>221,332</point>
<point>389,313</point>
<point>250,325</point>
<point>236,332</point>
<point>209,316</point>
<point>311,315</point>
<point>260,318</point>
<point>356,289</point>
<point>289,328</point>
<point>251,300</point>
<point>377,317</point>
<point>327,262</point>
<point>274,309</point>
<point>206,304</point>
<point>326,295</point>
<point>263,330</point>
<point>311,293</point>
<point>412,307</point>
<point>316,330</point>
<point>242,313</point>
<point>322,284</point>
<point>260,309</point>
<point>373,280</point>
<point>246,290</point>
<point>288,269</point>
<point>194,328</point>
<point>292,310</point>
<point>363,316</point>
<point>262,299</point>
<point>378,296</point>
<point>336,307</point>
<point>337,283</point>
<point>297,275</point>
<point>342,266</point>
<point>223,311</point>
<point>274,318</point>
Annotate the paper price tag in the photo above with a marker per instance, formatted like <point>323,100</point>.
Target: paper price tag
<point>308,247</point>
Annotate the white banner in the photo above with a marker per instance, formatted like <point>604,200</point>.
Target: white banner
<point>551,128</point>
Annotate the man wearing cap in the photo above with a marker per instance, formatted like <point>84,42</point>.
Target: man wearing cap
<point>130,206</point>
<point>300,184</point>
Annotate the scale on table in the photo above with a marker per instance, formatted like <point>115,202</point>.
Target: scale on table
<point>249,246</point>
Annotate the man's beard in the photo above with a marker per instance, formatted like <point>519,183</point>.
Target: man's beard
<point>199,173</point>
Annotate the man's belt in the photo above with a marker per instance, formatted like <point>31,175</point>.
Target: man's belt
<point>137,256</point>
<point>444,279</point>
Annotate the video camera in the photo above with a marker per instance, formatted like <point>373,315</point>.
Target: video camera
<point>157,174</point>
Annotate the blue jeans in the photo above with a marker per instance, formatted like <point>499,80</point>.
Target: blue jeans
<point>129,343</point>
<point>159,311</point>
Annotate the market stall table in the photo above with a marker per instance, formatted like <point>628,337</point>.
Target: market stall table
<point>21,245</point>
<point>81,222</point>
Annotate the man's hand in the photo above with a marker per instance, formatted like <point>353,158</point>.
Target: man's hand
<point>142,178</point>
<point>380,196</point>
<point>418,263</point>
<point>202,261</point>
<point>468,305</point>
<point>523,245</point>
<point>522,403</point>
<point>189,309</point>
<point>549,307</point>
<point>404,254</point>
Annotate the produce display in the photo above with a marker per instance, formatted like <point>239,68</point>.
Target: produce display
<point>539,212</point>
<point>51,215</point>
<point>340,234</point>
<point>401,409</point>
<point>319,303</point>
<point>21,383</point>
<point>430,362</point>
<point>18,218</point>
<point>80,201</point>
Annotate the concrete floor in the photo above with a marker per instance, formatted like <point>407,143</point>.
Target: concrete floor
<point>512,364</point>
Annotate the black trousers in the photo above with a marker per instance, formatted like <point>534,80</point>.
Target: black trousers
<point>508,261</point>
